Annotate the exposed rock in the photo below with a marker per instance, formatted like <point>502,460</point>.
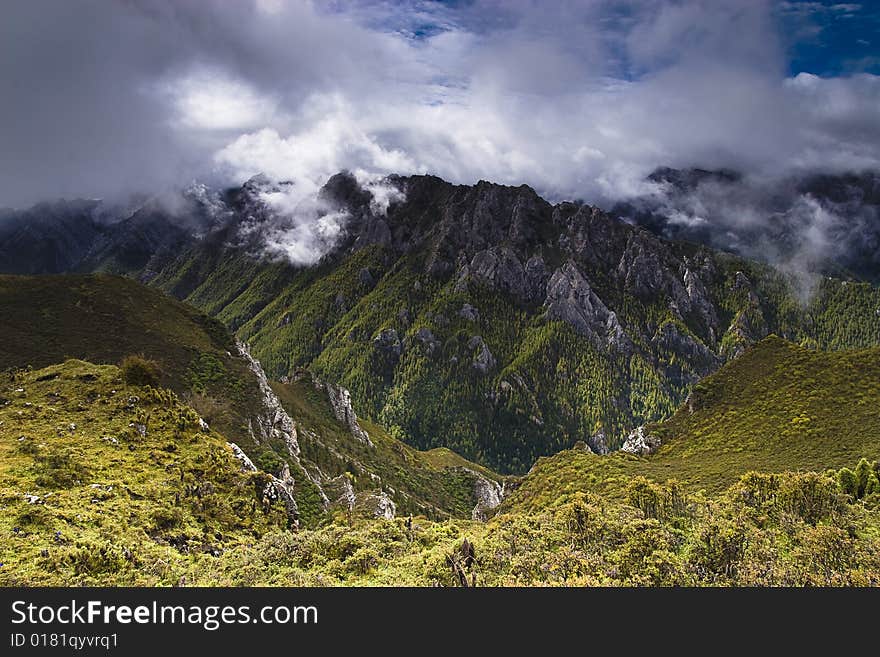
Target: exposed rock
<point>501,269</point>
<point>641,443</point>
<point>246,464</point>
<point>700,301</point>
<point>341,491</point>
<point>389,342</point>
<point>426,337</point>
<point>281,488</point>
<point>581,446</point>
<point>366,278</point>
<point>30,498</point>
<point>598,442</point>
<point>469,313</point>
<point>673,339</point>
<point>571,299</point>
<point>377,504</point>
<point>488,495</point>
<point>340,401</point>
<point>272,422</point>
<point>483,360</point>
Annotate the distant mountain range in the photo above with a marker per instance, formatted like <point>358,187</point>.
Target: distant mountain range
<point>480,318</point>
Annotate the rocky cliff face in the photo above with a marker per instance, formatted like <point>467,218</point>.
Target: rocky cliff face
<point>272,422</point>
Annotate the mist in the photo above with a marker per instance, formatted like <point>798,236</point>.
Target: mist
<point>108,99</point>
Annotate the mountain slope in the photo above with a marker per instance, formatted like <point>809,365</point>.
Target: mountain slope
<point>777,407</point>
<point>309,427</point>
<point>104,483</point>
<point>486,320</point>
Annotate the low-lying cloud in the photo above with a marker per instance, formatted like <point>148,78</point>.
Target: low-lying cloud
<point>581,101</point>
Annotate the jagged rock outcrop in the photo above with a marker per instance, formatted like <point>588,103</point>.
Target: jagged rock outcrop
<point>598,442</point>
<point>673,339</point>
<point>500,268</point>
<point>571,299</point>
<point>426,338</point>
<point>340,402</point>
<point>701,303</point>
<point>377,504</point>
<point>469,313</point>
<point>341,491</point>
<point>488,495</point>
<point>641,443</point>
<point>272,421</point>
<point>389,342</point>
<point>282,488</point>
<point>277,488</point>
<point>246,464</point>
<point>483,360</point>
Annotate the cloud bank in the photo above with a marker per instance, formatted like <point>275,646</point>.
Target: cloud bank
<point>583,101</point>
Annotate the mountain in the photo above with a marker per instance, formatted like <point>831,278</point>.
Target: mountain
<point>48,238</point>
<point>826,223</point>
<point>304,431</point>
<point>486,320</point>
<point>778,407</point>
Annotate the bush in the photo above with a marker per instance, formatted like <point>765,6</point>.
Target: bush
<point>60,470</point>
<point>140,371</point>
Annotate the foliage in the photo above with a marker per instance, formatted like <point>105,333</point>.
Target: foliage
<point>140,371</point>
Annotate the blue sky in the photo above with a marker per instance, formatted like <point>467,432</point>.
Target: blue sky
<point>831,38</point>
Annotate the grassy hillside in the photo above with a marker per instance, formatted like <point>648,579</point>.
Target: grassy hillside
<point>90,498</point>
<point>778,407</point>
<point>103,319</point>
<point>87,498</point>
<point>437,483</point>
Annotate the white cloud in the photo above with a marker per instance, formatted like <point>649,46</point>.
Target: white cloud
<point>581,100</point>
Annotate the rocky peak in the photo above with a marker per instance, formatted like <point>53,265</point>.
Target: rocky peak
<point>571,299</point>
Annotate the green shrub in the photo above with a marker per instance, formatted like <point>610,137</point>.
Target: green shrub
<point>140,371</point>
<point>59,470</point>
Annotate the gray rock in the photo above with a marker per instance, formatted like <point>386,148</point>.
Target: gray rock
<point>641,443</point>
<point>272,422</point>
<point>366,278</point>
<point>483,360</point>
<point>701,360</point>
<point>469,313</point>
<point>598,442</point>
<point>282,488</point>
<point>426,337</point>
<point>389,342</point>
<point>340,401</point>
<point>700,301</point>
<point>488,495</point>
<point>571,299</point>
<point>246,464</point>
<point>381,505</point>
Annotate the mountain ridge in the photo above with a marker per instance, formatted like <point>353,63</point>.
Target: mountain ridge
<point>535,325</point>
